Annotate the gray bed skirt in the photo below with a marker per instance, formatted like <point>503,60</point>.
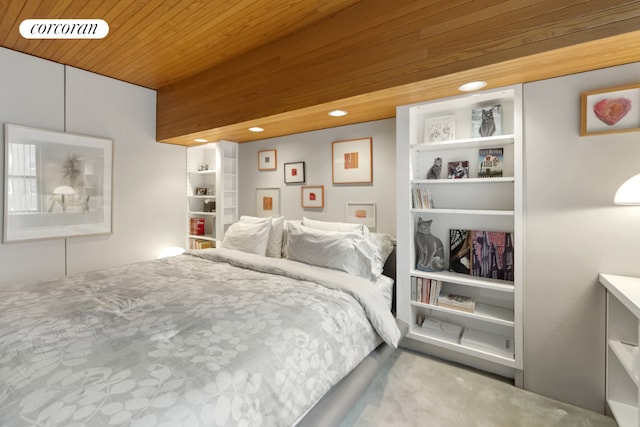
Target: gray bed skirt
<point>334,406</point>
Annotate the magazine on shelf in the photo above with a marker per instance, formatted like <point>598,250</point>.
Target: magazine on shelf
<point>442,128</point>
<point>488,342</point>
<point>486,121</point>
<point>442,330</point>
<point>456,302</point>
<point>490,162</point>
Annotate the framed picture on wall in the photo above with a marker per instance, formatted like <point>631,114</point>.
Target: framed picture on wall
<point>267,202</point>
<point>56,184</point>
<point>610,110</point>
<point>313,196</point>
<point>362,213</point>
<point>294,173</point>
<point>267,160</point>
<point>352,161</point>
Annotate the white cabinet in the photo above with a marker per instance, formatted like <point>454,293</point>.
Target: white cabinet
<point>622,359</point>
<point>212,185</point>
<point>484,207</point>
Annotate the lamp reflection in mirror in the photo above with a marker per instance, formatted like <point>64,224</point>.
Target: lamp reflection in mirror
<point>629,192</point>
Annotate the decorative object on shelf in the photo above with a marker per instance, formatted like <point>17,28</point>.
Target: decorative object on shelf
<point>267,202</point>
<point>458,170</point>
<point>267,160</point>
<point>313,196</point>
<point>60,181</point>
<point>429,249</point>
<point>196,226</point>
<point>490,162</point>
<point>201,191</point>
<point>209,205</point>
<point>362,213</point>
<point>442,128</point>
<point>294,173</point>
<point>610,110</point>
<point>435,169</point>
<point>629,192</point>
<point>487,250</point>
<point>352,161</point>
<point>460,251</point>
<point>486,121</point>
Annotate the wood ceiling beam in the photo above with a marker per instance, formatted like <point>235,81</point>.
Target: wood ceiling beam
<point>375,46</point>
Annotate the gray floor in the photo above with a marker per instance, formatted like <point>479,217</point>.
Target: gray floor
<point>415,390</point>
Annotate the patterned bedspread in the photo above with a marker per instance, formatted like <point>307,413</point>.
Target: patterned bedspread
<point>193,340</point>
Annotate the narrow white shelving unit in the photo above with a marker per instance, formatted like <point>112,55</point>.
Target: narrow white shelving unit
<point>623,337</point>
<point>474,203</point>
<point>212,185</point>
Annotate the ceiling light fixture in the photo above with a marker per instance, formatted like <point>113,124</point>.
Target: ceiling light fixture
<point>471,86</point>
<point>337,113</point>
<point>200,140</point>
<point>256,129</point>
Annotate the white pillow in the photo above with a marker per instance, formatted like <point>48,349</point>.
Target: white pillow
<point>384,243</point>
<point>248,237</point>
<point>336,226</point>
<point>274,247</point>
<point>346,251</point>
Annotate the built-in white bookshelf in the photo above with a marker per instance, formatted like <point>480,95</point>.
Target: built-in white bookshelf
<point>212,191</point>
<point>475,202</point>
<point>623,338</point>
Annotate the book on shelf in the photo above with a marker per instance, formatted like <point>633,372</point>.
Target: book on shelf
<point>490,162</point>
<point>421,198</point>
<point>201,244</point>
<point>488,342</point>
<point>442,330</point>
<point>456,302</point>
<point>196,226</point>
<point>460,251</point>
<point>425,290</point>
<point>482,253</point>
<point>486,121</point>
<point>458,170</point>
<point>441,128</point>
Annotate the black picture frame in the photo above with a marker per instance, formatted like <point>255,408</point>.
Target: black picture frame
<point>294,173</point>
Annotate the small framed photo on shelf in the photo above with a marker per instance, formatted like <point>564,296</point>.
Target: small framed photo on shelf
<point>490,162</point>
<point>458,169</point>
<point>441,128</point>
<point>313,196</point>
<point>294,173</point>
<point>267,160</point>
<point>362,213</point>
<point>352,161</point>
<point>201,191</point>
<point>610,110</point>
<point>486,121</point>
<point>267,202</point>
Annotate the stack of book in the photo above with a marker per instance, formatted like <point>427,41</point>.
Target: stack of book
<point>201,244</point>
<point>425,290</point>
<point>441,330</point>
<point>421,198</point>
<point>196,226</point>
<point>488,342</point>
<point>456,302</point>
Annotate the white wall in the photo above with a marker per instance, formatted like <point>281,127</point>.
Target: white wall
<point>314,148</point>
<point>573,232</point>
<point>148,178</point>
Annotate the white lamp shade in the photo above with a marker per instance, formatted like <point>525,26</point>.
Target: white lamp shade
<point>629,192</point>
<point>64,190</point>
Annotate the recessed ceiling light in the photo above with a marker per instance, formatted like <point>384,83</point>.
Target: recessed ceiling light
<point>256,129</point>
<point>467,87</point>
<point>200,140</point>
<point>337,113</point>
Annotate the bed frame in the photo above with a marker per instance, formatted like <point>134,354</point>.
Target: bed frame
<point>336,404</point>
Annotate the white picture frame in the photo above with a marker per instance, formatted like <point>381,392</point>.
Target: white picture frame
<point>56,184</point>
<point>362,213</point>
<point>267,202</point>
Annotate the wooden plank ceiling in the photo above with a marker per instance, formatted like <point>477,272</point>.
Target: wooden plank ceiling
<point>220,66</point>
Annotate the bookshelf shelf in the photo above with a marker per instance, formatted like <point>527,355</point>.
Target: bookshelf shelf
<point>219,182</point>
<point>488,197</point>
<point>623,337</point>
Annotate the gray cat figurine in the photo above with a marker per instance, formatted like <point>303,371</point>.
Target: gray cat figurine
<point>436,168</point>
<point>429,249</point>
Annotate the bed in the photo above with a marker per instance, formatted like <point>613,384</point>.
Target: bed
<point>215,337</point>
